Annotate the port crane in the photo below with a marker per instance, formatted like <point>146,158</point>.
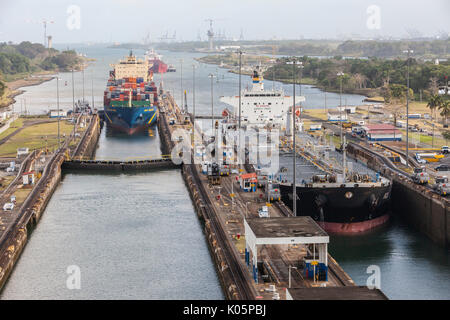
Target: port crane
<point>165,36</point>
<point>210,33</point>
<point>44,23</point>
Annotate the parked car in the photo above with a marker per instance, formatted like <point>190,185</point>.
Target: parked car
<point>445,149</point>
<point>263,212</point>
<point>442,167</point>
<point>419,159</point>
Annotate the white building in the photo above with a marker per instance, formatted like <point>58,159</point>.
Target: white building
<point>382,132</point>
<point>58,113</point>
<point>337,116</point>
<point>261,107</point>
<point>347,109</point>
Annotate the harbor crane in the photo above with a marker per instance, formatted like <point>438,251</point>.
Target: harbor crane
<point>44,23</point>
<point>165,36</point>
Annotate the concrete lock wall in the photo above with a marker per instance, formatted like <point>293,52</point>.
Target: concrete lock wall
<point>423,211</point>
<point>417,205</point>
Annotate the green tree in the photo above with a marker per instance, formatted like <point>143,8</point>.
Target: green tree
<point>2,89</point>
<point>444,107</point>
<point>434,102</point>
<point>446,136</point>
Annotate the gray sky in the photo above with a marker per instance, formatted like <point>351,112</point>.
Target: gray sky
<point>131,20</point>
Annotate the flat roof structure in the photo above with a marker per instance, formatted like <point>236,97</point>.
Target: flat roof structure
<point>335,293</point>
<point>302,229</point>
<point>285,231</point>
<point>381,128</point>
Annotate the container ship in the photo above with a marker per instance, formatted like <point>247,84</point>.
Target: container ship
<point>131,97</point>
<point>155,63</point>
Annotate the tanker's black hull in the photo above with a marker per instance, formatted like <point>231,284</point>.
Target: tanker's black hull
<point>338,207</point>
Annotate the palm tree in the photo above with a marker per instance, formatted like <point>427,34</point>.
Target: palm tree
<point>445,109</point>
<point>434,102</point>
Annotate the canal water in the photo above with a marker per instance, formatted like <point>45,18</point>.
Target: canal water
<point>136,236</point>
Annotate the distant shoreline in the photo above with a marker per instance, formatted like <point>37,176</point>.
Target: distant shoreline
<point>368,93</point>
<point>31,80</point>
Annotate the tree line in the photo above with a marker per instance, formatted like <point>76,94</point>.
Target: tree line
<point>381,76</point>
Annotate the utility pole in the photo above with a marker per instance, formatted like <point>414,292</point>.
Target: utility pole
<point>294,63</point>
<point>408,52</point>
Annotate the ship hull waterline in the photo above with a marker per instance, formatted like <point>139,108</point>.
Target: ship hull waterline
<point>336,211</point>
<point>130,120</point>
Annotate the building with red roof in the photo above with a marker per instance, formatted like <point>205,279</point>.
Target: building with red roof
<point>382,132</point>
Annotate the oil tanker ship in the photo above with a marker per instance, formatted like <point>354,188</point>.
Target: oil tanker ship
<point>131,97</point>
<point>358,204</point>
<point>343,198</point>
<point>156,65</point>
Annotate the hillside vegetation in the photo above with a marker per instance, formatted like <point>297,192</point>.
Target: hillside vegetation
<point>20,60</point>
<point>365,75</point>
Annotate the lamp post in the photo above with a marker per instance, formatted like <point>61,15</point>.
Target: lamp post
<point>92,89</point>
<point>73,101</point>
<point>340,75</point>
<point>246,209</point>
<point>408,52</point>
<point>193,104</point>
<point>82,71</point>
<point>211,76</point>
<point>181,81</point>
<point>300,86</point>
<point>294,63</point>
<point>57,104</point>
<point>239,108</point>
<point>290,268</point>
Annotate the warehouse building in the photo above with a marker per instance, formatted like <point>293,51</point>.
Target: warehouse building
<point>382,132</point>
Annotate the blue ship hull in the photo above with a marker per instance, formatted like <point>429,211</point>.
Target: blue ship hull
<point>130,120</point>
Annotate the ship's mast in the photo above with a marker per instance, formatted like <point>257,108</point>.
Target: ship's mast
<point>129,98</point>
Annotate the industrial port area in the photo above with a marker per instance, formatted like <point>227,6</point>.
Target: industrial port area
<point>225,174</point>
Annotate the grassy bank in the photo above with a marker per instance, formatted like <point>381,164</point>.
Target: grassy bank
<point>35,137</point>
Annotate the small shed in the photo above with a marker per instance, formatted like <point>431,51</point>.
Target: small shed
<point>58,113</point>
<point>22,152</point>
<point>248,182</point>
<point>302,230</point>
<point>28,178</point>
<point>382,132</point>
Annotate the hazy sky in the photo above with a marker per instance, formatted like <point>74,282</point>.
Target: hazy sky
<point>131,20</point>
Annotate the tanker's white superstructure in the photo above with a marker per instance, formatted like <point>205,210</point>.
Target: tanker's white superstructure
<point>262,107</point>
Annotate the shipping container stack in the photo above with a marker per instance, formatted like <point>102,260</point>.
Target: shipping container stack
<point>142,93</point>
